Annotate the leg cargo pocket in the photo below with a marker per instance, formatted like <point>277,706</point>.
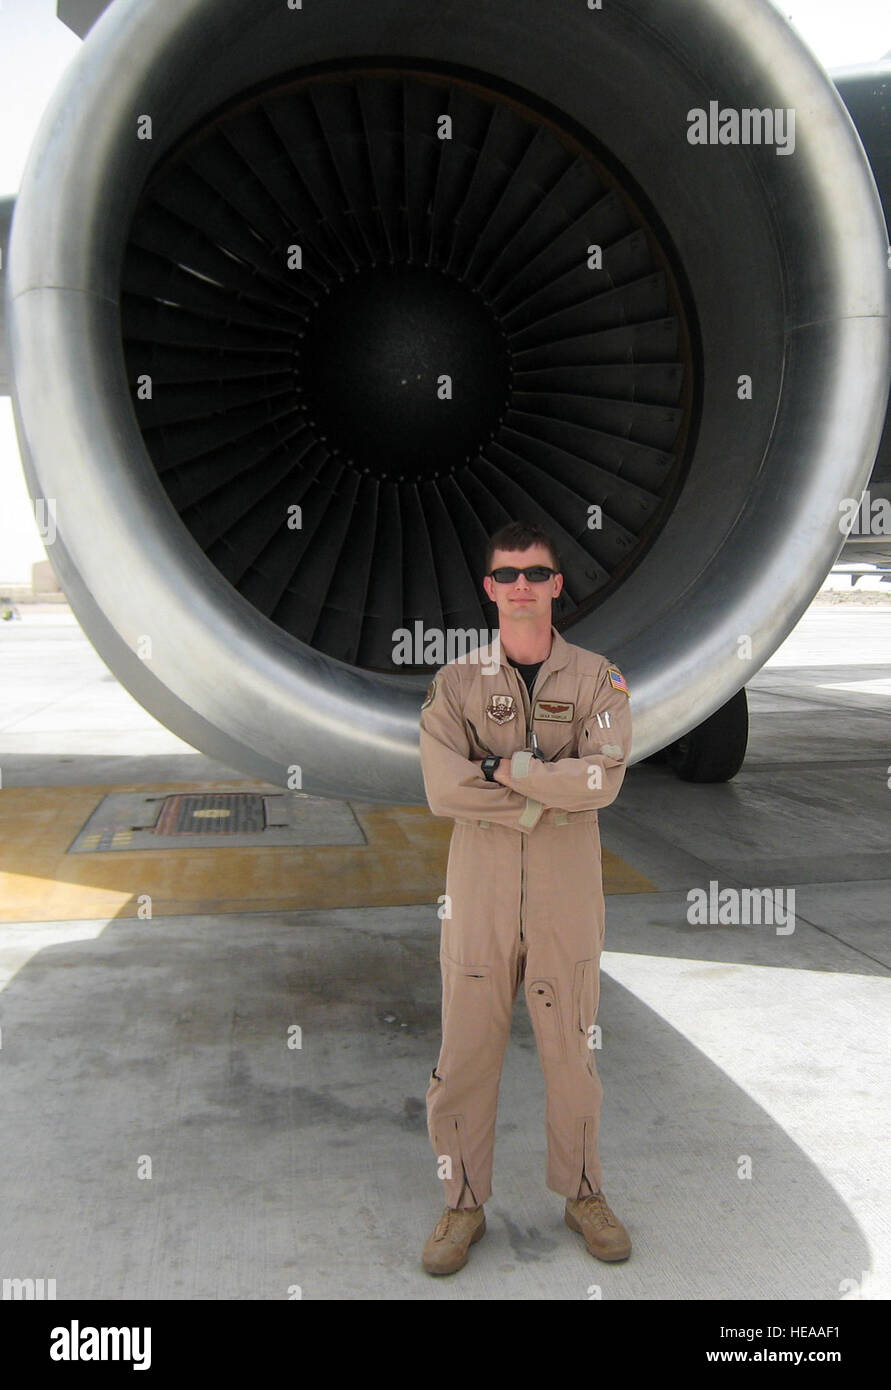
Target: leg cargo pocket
<point>466,1006</point>
<point>585,999</point>
<point>544,1010</point>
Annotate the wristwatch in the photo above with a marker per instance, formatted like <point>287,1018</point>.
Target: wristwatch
<point>489,765</point>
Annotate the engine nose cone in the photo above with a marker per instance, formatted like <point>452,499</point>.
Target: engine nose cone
<point>406,371</point>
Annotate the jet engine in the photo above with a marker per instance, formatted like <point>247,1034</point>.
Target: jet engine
<point>305,300</point>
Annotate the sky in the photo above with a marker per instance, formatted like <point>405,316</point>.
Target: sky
<point>35,49</point>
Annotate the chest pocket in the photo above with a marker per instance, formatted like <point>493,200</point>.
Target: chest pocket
<point>500,740</point>
<point>557,740</point>
<point>483,747</point>
<point>558,726</point>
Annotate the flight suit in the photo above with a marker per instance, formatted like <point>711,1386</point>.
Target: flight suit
<point>524,898</point>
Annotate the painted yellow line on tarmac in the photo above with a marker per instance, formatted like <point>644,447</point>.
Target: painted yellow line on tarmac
<point>403,863</point>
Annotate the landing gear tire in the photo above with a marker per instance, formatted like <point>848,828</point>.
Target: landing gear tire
<point>714,751</point>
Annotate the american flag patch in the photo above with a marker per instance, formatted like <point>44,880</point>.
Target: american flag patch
<point>618,681</point>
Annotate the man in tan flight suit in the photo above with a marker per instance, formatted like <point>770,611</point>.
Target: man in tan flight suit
<point>523,775</point>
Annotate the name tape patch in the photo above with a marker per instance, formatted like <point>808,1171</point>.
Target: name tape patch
<point>560,711</point>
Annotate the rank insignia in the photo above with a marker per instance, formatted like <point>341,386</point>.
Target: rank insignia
<point>561,711</point>
<point>501,708</point>
<point>617,680</point>
<point>428,698</point>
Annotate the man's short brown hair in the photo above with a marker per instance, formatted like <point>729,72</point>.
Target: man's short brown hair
<point>521,535</point>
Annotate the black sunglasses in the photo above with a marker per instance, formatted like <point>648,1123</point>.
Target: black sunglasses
<point>536,574</point>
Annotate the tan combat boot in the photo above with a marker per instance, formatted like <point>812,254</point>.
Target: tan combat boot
<point>605,1236</point>
<point>449,1246</point>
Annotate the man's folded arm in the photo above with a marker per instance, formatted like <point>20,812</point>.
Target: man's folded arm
<point>454,783</point>
<point>593,779</point>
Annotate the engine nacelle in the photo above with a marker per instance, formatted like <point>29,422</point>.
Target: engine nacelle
<point>304,303</point>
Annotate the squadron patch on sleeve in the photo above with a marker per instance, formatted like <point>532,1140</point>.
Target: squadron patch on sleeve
<point>431,691</point>
<point>617,680</point>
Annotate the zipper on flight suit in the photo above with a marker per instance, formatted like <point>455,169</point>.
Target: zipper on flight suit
<point>522,886</point>
<point>526,700</point>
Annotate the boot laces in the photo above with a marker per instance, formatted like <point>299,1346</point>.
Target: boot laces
<point>442,1226</point>
<point>596,1208</point>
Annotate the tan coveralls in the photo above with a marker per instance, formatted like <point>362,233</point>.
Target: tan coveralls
<point>525,895</point>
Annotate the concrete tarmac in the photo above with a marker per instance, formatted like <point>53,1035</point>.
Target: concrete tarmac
<point>162,1139</point>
